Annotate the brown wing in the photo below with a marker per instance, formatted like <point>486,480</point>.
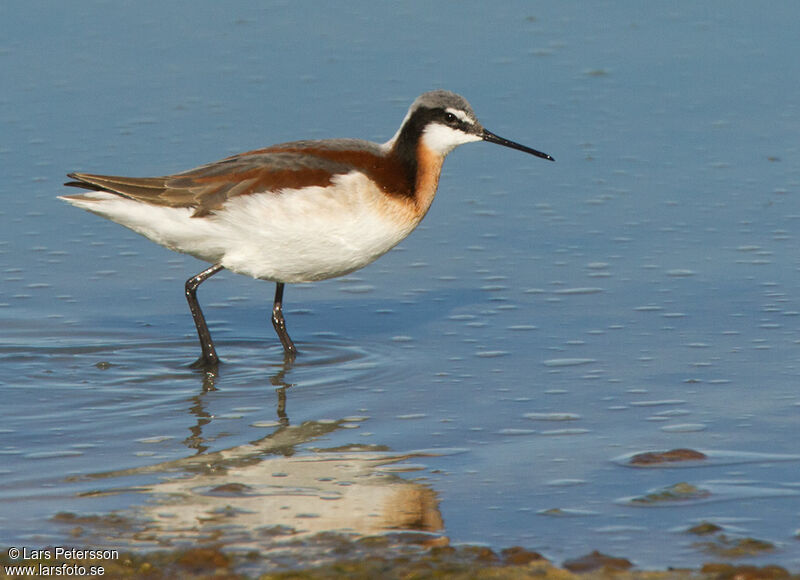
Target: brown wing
<point>208,187</point>
<point>286,166</point>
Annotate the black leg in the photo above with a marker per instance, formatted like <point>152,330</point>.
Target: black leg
<point>280,324</point>
<point>209,357</point>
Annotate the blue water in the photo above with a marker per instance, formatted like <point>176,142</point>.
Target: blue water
<point>479,382</point>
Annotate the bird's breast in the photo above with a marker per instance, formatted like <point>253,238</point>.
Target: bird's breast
<point>314,233</point>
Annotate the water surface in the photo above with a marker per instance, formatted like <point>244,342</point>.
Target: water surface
<point>487,379</point>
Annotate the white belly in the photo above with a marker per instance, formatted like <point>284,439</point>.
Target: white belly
<point>312,233</point>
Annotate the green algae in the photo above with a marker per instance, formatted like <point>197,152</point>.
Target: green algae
<point>679,492</point>
<point>728,547</point>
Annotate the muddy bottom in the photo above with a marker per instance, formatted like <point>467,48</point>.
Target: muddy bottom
<point>387,557</point>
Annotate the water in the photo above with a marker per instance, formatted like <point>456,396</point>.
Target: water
<point>484,381</point>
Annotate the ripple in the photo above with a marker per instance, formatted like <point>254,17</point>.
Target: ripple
<point>265,424</point>
<point>552,416</point>
<point>562,432</point>
<point>511,431</point>
<point>359,289</point>
<point>684,428</point>
<point>568,362</point>
<point>154,439</point>
<point>565,482</point>
<point>578,291</point>
<point>52,454</point>
<point>491,353</point>
<point>658,403</point>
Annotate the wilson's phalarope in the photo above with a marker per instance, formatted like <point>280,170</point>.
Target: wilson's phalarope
<point>295,212</point>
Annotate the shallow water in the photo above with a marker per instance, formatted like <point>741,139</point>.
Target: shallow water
<point>487,379</point>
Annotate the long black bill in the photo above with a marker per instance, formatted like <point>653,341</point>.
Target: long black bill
<point>492,138</point>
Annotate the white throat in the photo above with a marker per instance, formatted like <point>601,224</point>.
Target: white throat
<point>443,140</point>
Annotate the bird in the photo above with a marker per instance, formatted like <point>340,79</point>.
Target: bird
<point>295,212</point>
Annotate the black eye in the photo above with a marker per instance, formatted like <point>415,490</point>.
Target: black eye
<point>451,119</point>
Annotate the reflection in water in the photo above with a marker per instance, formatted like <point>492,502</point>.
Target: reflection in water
<point>210,378</point>
<point>278,380</point>
<point>291,496</point>
<point>198,409</point>
<point>268,492</point>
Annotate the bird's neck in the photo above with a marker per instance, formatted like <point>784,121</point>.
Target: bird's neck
<point>428,170</point>
<point>421,165</point>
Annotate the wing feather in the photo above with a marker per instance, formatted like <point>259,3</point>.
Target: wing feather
<point>205,189</point>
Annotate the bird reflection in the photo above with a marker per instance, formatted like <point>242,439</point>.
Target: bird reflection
<point>210,378</point>
<point>195,440</point>
<point>276,493</point>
